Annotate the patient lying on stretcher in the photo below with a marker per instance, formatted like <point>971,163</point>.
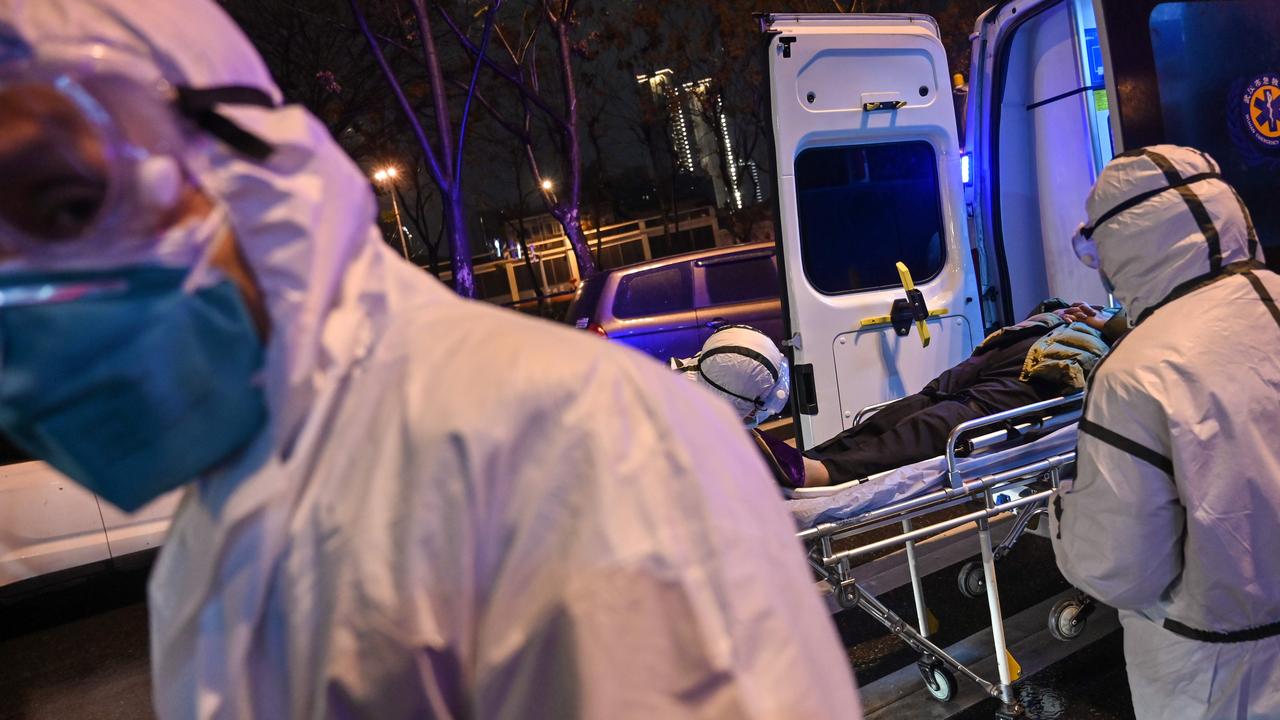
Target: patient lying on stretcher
<point>1046,356</point>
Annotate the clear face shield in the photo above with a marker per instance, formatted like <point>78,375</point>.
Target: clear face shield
<point>88,160</point>
<point>91,143</point>
<point>775,400</point>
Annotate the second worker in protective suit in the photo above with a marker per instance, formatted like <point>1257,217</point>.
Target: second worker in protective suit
<point>1174,516</point>
<point>398,504</point>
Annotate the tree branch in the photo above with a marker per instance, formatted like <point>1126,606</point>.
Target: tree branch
<point>410,115</point>
<point>497,117</point>
<point>572,152</point>
<point>504,73</point>
<point>471,91</point>
<point>436,77</point>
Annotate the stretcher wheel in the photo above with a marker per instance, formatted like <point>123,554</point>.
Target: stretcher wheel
<point>1066,620</point>
<point>938,680</point>
<point>972,581</point>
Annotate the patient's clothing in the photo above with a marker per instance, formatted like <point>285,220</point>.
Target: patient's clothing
<point>916,427</point>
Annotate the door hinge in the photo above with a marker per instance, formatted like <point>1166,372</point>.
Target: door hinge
<point>793,342</point>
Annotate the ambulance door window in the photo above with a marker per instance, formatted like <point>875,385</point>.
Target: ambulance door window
<point>862,209</point>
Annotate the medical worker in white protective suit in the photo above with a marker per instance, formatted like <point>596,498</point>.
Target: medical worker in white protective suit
<point>745,368</point>
<point>405,505</point>
<point>1174,517</point>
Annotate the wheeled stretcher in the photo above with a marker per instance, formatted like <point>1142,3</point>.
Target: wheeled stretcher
<point>1009,462</point>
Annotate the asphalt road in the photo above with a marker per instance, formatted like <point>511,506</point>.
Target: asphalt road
<point>81,651</point>
<point>77,652</point>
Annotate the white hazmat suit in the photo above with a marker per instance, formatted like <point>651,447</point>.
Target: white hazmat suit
<point>1174,517</point>
<point>457,512</point>
<point>744,367</point>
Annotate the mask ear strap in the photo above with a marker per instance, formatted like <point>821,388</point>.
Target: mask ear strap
<point>199,103</point>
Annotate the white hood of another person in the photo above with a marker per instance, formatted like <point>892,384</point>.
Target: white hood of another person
<point>741,365</point>
<point>304,217</point>
<point>1171,239</point>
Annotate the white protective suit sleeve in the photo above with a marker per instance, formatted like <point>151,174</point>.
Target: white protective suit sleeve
<point>581,534</point>
<point>1123,464</point>
<point>643,606</point>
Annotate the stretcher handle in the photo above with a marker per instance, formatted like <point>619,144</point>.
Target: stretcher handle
<point>870,410</point>
<point>1040,426</point>
<point>954,438</point>
<point>934,529</point>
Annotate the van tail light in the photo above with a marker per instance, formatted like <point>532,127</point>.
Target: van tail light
<point>592,327</point>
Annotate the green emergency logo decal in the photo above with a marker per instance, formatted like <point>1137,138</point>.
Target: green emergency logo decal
<point>1262,109</point>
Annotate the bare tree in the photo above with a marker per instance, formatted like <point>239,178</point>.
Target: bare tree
<point>317,61</point>
<point>418,211</point>
<point>546,120</point>
<point>444,159</point>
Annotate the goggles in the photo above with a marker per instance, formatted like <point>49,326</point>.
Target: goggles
<point>90,148</point>
<point>1086,249</point>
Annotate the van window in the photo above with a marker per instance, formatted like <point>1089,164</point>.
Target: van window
<point>862,209</point>
<point>655,292</point>
<point>736,280</point>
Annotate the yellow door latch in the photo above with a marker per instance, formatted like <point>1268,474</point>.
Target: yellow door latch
<point>907,310</point>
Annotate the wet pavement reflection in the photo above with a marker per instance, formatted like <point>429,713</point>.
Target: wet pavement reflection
<point>1088,685</point>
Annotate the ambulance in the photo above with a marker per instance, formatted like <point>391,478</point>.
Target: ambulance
<point>873,170</point>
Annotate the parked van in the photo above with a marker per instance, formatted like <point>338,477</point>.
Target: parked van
<point>668,307</point>
<point>871,171</point>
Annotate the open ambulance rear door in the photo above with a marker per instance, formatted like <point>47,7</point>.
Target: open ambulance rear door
<point>1038,135</point>
<point>869,176</point>
<point>1058,87</point>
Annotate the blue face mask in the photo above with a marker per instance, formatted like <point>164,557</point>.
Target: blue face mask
<point>125,382</point>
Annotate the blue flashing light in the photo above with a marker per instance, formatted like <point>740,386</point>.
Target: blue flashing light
<point>966,168</point>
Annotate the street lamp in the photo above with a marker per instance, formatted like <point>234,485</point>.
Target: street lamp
<point>388,175</point>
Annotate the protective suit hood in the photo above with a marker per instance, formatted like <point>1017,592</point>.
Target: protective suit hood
<point>743,366</point>
<point>1161,244</point>
<point>303,217</point>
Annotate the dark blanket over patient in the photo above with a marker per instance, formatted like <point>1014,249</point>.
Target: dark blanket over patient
<point>1038,359</point>
<point>916,427</point>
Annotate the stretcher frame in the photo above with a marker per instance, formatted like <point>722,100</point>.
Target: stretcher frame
<point>1023,490</point>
